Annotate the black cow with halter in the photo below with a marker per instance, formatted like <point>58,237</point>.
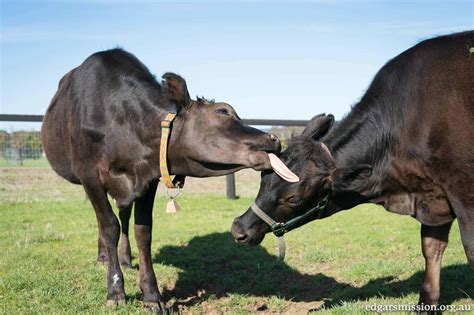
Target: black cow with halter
<point>408,145</point>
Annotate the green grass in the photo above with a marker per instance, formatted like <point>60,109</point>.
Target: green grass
<point>338,265</point>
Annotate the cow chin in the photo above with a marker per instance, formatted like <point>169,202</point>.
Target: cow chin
<point>256,239</point>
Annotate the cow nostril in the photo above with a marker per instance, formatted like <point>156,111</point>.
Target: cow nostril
<point>241,237</point>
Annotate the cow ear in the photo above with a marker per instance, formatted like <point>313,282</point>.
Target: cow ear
<point>318,126</point>
<point>350,178</point>
<point>174,87</point>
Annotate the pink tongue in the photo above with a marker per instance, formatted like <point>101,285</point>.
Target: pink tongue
<point>282,170</point>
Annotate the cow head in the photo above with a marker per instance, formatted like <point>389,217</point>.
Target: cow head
<point>312,162</point>
<point>210,139</point>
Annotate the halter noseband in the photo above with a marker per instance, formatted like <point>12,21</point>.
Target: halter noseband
<point>279,228</point>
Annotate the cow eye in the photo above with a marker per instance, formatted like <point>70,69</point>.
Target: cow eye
<point>222,111</point>
<point>295,200</point>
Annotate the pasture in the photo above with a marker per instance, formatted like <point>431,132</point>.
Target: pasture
<point>48,241</point>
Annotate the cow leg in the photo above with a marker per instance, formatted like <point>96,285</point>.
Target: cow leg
<point>143,225</point>
<point>125,256</point>
<point>463,207</point>
<point>467,235</point>
<point>102,254</point>
<point>109,228</point>
<point>466,227</point>
<point>434,240</point>
<point>465,217</point>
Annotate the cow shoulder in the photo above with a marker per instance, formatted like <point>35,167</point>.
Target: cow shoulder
<point>410,190</point>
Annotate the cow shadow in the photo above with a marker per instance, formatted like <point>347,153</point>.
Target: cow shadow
<point>213,265</point>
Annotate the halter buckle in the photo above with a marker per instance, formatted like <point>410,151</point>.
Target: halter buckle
<point>278,229</point>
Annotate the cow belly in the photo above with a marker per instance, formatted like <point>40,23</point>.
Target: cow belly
<point>428,208</point>
<point>55,140</point>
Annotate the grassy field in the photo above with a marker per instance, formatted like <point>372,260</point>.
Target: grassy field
<point>338,265</point>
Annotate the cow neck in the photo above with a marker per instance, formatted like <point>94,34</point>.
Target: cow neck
<point>361,139</point>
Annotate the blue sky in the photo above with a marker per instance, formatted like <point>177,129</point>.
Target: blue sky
<point>269,59</point>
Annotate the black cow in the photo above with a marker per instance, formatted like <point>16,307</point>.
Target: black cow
<point>408,145</point>
<point>102,130</point>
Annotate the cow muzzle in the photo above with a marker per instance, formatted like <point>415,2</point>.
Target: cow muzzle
<point>248,236</point>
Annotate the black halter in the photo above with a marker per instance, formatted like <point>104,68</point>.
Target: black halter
<point>279,228</point>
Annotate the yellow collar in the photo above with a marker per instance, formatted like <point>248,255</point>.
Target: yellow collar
<point>165,133</point>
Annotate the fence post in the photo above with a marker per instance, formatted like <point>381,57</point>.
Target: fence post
<point>230,186</point>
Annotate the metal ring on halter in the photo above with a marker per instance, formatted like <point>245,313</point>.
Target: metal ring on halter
<point>171,195</point>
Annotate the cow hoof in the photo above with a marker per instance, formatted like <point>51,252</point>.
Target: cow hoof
<point>157,308</point>
<point>114,303</point>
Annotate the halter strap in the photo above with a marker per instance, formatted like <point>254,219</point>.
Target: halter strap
<point>262,215</point>
<point>280,228</point>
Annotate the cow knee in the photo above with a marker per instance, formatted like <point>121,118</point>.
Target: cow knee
<point>111,230</point>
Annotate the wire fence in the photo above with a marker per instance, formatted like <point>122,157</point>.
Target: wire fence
<point>16,147</point>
